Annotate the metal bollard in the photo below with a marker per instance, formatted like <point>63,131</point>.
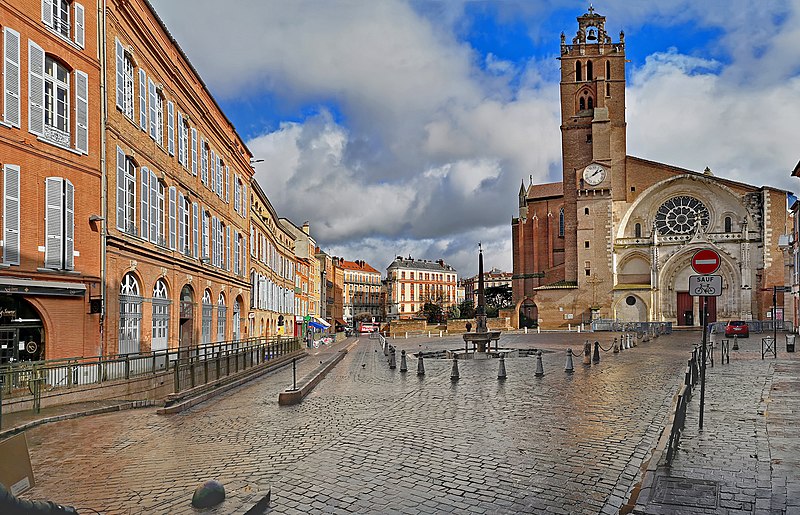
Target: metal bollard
<point>539,368</point>
<point>386,349</point>
<point>403,363</point>
<point>568,368</point>
<point>501,370</point>
<point>587,353</point>
<point>596,356</point>
<point>420,365</point>
<point>453,372</point>
<point>392,360</point>
<point>616,346</point>
<point>735,342</point>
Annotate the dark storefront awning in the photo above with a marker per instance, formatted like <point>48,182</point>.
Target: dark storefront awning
<point>29,287</point>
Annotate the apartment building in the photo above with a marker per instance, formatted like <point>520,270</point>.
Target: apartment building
<point>362,292</point>
<point>491,279</point>
<point>51,212</point>
<point>273,270</point>
<point>413,282</point>
<point>177,204</point>
<point>307,278</point>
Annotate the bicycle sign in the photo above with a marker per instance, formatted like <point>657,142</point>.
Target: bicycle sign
<point>705,285</point>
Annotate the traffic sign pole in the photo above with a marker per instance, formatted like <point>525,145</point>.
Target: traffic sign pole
<point>703,362</point>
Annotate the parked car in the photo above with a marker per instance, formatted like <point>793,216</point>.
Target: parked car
<point>738,328</point>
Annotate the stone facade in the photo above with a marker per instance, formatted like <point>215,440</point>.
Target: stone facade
<point>615,238</point>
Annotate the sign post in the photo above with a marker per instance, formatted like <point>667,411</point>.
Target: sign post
<point>705,262</point>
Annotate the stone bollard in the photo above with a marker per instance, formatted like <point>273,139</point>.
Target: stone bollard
<point>616,347</point>
<point>735,342</point>
<point>526,330</point>
<point>209,494</point>
<point>420,365</point>
<point>596,356</point>
<point>391,351</point>
<point>587,353</point>
<point>501,370</point>
<point>631,342</point>
<point>539,368</point>
<point>568,368</point>
<point>386,349</point>
<point>403,363</point>
<point>454,375</point>
<point>392,360</point>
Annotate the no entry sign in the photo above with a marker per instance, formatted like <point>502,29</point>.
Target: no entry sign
<point>705,261</point>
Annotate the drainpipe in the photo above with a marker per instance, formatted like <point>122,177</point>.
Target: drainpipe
<point>101,35</point>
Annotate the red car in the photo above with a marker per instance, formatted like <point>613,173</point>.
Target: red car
<point>738,328</point>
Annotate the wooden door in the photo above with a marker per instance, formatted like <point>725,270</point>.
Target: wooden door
<point>685,309</point>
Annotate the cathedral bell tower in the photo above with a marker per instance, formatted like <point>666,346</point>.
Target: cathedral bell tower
<point>592,127</point>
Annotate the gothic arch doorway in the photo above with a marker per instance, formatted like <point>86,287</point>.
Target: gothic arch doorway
<point>528,313</point>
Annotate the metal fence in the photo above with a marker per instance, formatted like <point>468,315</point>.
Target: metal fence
<point>691,377</point>
<point>193,365</point>
<point>757,326</point>
<point>635,327</point>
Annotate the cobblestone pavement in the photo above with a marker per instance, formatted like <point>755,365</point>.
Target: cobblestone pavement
<point>373,440</point>
<point>746,459</point>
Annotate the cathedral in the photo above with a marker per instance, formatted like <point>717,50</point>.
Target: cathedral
<point>615,238</point>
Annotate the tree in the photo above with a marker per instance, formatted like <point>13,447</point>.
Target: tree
<point>497,297</point>
<point>432,312</point>
<point>467,309</point>
<point>454,312</point>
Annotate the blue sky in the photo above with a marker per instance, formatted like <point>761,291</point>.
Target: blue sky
<point>405,127</point>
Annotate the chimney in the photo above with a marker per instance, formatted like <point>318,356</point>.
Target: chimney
<point>306,228</point>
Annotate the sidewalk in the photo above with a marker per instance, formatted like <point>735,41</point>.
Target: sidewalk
<point>12,423</point>
<point>746,459</point>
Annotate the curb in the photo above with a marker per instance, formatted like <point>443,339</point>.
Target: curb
<point>292,397</point>
<point>66,416</point>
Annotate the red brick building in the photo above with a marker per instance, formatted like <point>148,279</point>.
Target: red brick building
<point>177,201</point>
<point>615,237</point>
<point>51,183</point>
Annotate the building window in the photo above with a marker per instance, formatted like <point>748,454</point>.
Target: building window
<point>130,315</point>
<point>59,224</point>
<point>561,222</point>
<point>589,71</point>
<point>728,224</point>
<point>124,81</point>
<point>160,316</point>
<point>582,104</point>
<point>56,96</point>
<point>637,230</point>
<point>578,74</point>
<point>590,103</point>
<point>126,193</point>
<point>156,113</point>
<point>208,309</point>
<point>588,272</point>
<point>586,244</point>
<point>586,211</point>
<point>222,317</point>
<point>61,16</point>
<point>608,70</point>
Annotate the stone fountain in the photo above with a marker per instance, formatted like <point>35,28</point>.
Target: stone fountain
<point>482,337</point>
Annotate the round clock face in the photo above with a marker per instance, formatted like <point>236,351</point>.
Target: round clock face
<point>594,174</point>
<point>681,215</point>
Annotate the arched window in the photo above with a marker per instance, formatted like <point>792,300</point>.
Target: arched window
<point>561,222</point>
<point>637,230</point>
<point>590,103</point>
<point>208,309</point>
<point>130,315</point>
<point>236,321</point>
<point>608,70</point>
<point>578,71</point>
<point>728,224</point>
<point>222,317</point>
<point>589,73</point>
<point>160,316</point>
<point>582,104</point>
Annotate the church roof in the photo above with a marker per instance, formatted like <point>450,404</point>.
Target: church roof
<point>550,189</point>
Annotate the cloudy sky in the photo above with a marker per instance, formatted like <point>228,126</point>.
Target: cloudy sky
<point>405,127</point>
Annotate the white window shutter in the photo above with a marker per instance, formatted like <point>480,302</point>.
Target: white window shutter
<point>145,217</point>
<point>81,112</point>
<point>172,215</point>
<point>213,171</point>
<point>79,25</point>
<point>11,215</point>
<point>154,205</point>
<point>69,225</point>
<point>47,12</point>
<point>236,203</point>
<point>151,94</point>
<point>214,240</point>
<point>203,161</point>
<point>227,185</point>
<point>195,230</point>
<point>219,177</point>
<point>203,234</point>
<point>179,135</point>
<point>142,100</point>
<point>35,89</point>
<point>181,220</point>
<point>244,256</point>
<point>171,128</point>
<point>11,75</point>
<point>53,222</point>
<point>194,151</point>
<point>120,189</point>
<point>236,268</point>
<point>120,74</point>
<point>227,247</point>
<point>245,201</point>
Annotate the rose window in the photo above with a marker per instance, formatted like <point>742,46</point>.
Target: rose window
<point>681,215</point>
